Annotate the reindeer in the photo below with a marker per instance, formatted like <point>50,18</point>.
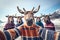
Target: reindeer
<point>19,20</point>
<point>10,24</point>
<point>38,22</point>
<point>29,31</point>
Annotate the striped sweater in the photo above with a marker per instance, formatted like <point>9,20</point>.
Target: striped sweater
<point>30,33</point>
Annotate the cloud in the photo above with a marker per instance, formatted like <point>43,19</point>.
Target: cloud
<point>9,6</point>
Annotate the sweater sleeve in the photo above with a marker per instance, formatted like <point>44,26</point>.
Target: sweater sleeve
<point>49,34</point>
<point>12,33</point>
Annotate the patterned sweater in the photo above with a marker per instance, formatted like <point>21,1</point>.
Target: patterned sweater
<point>29,33</point>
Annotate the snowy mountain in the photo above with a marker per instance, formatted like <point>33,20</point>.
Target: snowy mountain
<point>56,14</point>
<point>1,22</point>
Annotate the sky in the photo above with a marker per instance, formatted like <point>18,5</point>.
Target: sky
<point>9,7</point>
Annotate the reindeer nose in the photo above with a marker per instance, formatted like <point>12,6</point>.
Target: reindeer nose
<point>29,22</point>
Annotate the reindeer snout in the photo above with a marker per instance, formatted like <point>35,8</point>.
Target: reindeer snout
<point>29,22</point>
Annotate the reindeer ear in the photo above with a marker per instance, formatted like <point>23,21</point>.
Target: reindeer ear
<point>36,10</point>
<point>20,10</point>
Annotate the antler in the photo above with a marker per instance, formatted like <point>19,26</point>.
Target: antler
<point>33,8</point>
<point>36,10</point>
<point>20,10</point>
<point>24,9</point>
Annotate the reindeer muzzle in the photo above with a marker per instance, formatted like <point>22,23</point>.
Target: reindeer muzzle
<point>29,22</point>
<point>12,21</point>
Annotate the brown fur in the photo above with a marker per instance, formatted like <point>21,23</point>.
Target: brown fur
<point>28,14</point>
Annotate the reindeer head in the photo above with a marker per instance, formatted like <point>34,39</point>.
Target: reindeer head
<point>19,19</point>
<point>47,19</point>
<point>38,19</point>
<point>10,19</point>
<point>29,15</point>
